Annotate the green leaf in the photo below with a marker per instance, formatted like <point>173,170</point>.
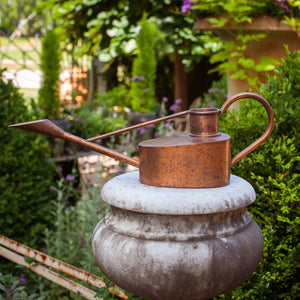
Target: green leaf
<point>240,74</point>
<point>267,63</point>
<point>89,2</point>
<point>217,22</point>
<point>246,62</point>
<point>28,260</point>
<point>103,292</point>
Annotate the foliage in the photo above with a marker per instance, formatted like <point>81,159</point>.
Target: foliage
<point>231,15</point>
<point>273,170</point>
<point>118,96</point>
<point>107,29</point>
<point>242,11</point>
<point>142,90</point>
<point>11,287</point>
<point>216,95</point>
<point>87,122</point>
<point>50,67</point>
<point>15,11</point>
<point>70,239</point>
<point>25,173</point>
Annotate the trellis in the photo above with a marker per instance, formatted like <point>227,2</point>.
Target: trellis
<point>23,70</point>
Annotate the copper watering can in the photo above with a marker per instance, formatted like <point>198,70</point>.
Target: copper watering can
<point>199,159</point>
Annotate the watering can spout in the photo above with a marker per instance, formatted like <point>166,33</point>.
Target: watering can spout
<point>48,128</point>
<point>44,127</point>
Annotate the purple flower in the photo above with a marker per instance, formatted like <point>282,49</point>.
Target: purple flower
<point>178,101</point>
<point>167,124</point>
<point>52,188</point>
<point>23,277</point>
<point>134,78</point>
<point>146,90</point>
<point>67,208</point>
<point>69,177</point>
<point>217,90</point>
<point>142,78</point>
<point>59,169</point>
<point>174,107</point>
<point>282,4</point>
<point>186,6</point>
<point>162,111</point>
<point>142,130</point>
<point>150,126</point>
<point>210,106</point>
<point>285,7</point>
<point>165,99</point>
<point>121,170</point>
<point>156,134</point>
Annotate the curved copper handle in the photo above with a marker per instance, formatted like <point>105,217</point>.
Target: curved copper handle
<point>266,134</point>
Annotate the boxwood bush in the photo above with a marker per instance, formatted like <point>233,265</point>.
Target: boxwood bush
<point>273,170</point>
<point>25,173</point>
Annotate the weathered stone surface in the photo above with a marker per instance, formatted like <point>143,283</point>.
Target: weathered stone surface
<point>126,191</point>
<point>165,243</point>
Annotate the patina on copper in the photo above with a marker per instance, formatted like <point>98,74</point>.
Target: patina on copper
<point>199,159</point>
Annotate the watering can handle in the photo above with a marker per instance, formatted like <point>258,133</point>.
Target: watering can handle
<point>266,134</point>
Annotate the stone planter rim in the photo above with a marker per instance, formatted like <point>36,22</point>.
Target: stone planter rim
<point>126,192</point>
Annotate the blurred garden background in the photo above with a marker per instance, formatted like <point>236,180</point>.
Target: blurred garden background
<point>94,66</point>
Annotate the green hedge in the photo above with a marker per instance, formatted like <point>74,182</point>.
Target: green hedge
<point>273,170</point>
<point>142,90</point>
<point>50,66</point>
<point>25,174</point>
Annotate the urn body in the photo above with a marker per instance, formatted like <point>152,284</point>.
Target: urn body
<point>174,243</point>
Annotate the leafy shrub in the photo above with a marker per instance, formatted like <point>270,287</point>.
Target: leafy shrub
<point>25,174</point>
<point>144,69</point>
<point>118,96</point>
<point>11,287</point>
<point>87,123</point>
<point>273,170</point>
<point>70,239</point>
<point>50,67</point>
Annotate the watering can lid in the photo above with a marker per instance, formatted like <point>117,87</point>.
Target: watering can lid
<point>181,140</point>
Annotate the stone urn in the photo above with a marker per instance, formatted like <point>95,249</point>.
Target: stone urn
<point>177,243</point>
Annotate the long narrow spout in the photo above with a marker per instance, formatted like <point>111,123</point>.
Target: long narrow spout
<point>47,127</point>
